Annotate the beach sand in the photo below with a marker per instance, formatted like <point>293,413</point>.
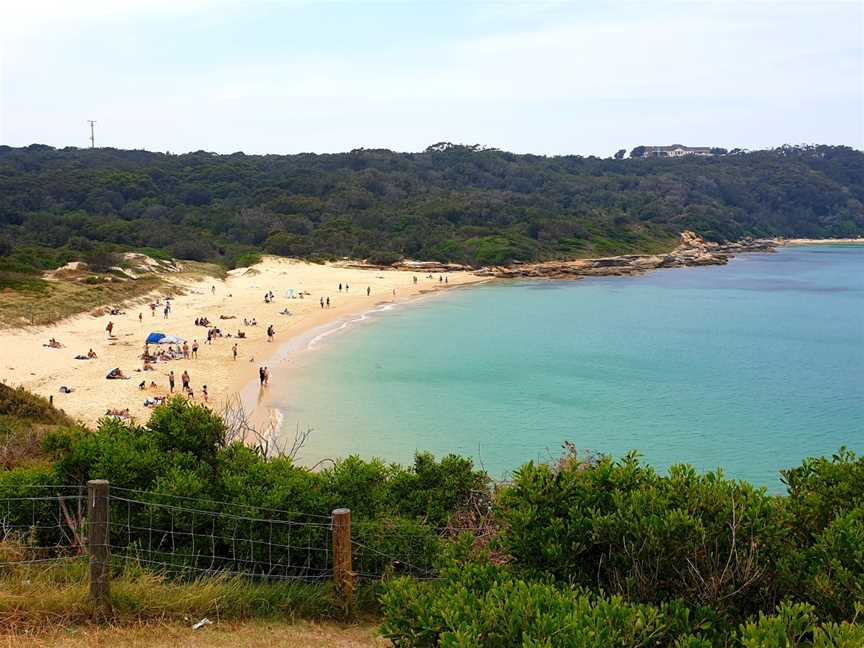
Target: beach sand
<point>833,241</point>
<point>26,362</point>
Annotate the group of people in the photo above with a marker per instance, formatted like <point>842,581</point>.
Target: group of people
<point>264,376</point>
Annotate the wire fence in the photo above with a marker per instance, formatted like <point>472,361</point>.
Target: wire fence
<point>197,536</point>
<point>44,524</point>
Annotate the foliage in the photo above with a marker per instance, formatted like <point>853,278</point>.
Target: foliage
<point>619,527</point>
<point>450,203</point>
<point>183,452</point>
<point>480,605</point>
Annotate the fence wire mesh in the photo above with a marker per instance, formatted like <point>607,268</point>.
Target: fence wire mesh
<point>198,536</point>
<point>42,524</point>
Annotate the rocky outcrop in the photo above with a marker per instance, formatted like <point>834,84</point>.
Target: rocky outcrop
<point>693,250</point>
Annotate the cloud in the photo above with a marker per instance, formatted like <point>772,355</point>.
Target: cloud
<point>558,81</point>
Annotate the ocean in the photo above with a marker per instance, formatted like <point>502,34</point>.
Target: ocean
<point>750,367</point>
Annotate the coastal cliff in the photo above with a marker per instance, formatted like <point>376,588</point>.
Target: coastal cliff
<point>693,250</point>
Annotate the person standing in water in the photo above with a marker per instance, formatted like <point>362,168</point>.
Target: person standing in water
<point>368,291</point>
<point>322,302</point>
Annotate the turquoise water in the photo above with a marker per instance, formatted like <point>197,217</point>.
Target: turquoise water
<point>750,366</point>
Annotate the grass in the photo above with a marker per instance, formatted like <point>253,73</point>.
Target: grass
<point>60,299</point>
<point>31,299</point>
<point>251,634</point>
<point>36,597</point>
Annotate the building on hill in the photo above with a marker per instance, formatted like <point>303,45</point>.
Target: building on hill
<point>675,150</point>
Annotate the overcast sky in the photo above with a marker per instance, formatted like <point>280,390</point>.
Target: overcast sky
<point>585,77</point>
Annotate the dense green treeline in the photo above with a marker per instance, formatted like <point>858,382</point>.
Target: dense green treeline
<point>449,203</point>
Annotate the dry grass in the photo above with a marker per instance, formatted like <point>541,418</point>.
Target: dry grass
<point>36,597</point>
<point>68,292</point>
<point>49,606</point>
<point>254,634</point>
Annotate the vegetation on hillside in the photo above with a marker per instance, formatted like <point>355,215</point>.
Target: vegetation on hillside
<point>449,203</point>
<point>590,551</point>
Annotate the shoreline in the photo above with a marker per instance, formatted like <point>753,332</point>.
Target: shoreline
<point>832,241</point>
<point>28,363</point>
<point>259,404</point>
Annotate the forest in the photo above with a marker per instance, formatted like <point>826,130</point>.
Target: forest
<point>456,203</point>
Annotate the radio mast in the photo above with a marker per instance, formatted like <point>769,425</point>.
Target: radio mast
<point>92,137</point>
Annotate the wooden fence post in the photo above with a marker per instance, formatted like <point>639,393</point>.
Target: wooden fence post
<point>343,574</point>
<point>97,524</point>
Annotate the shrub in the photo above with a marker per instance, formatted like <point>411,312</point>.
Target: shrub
<point>620,526</point>
<point>480,605</point>
<point>383,257</point>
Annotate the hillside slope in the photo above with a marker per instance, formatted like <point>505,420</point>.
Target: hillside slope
<point>449,203</point>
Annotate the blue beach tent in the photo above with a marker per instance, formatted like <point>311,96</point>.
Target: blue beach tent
<point>161,338</point>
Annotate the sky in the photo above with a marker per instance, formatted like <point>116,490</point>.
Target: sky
<point>583,77</point>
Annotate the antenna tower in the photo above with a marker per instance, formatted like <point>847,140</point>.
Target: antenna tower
<point>92,137</point>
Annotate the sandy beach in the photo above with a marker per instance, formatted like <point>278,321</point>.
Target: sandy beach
<point>810,241</point>
<point>28,363</point>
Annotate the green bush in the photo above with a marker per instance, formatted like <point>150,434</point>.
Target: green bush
<point>481,605</point>
<point>621,527</point>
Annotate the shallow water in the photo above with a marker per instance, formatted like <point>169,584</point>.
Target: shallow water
<point>751,367</point>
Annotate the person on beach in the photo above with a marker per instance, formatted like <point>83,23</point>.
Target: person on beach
<point>322,302</point>
<point>91,354</point>
<point>171,381</point>
<point>234,351</point>
<point>185,350</point>
<point>346,287</point>
<point>213,290</point>
<point>270,333</point>
<point>209,336</point>
<point>204,392</point>
<point>266,376</point>
<point>185,379</point>
<point>340,287</point>
<point>195,349</point>
<point>415,280</point>
<point>445,279</point>
<point>261,375</point>
<point>140,318</point>
<point>109,329</point>
<point>165,312</point>
<point>440,279</point>
<point>328,302</point>
<point>368,291</point>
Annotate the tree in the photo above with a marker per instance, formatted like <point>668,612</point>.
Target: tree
<point>619,154</point>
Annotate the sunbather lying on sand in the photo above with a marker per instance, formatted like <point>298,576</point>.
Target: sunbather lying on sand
<point>53,344</point>
<point>119,413</point>
<point>116,374</point>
